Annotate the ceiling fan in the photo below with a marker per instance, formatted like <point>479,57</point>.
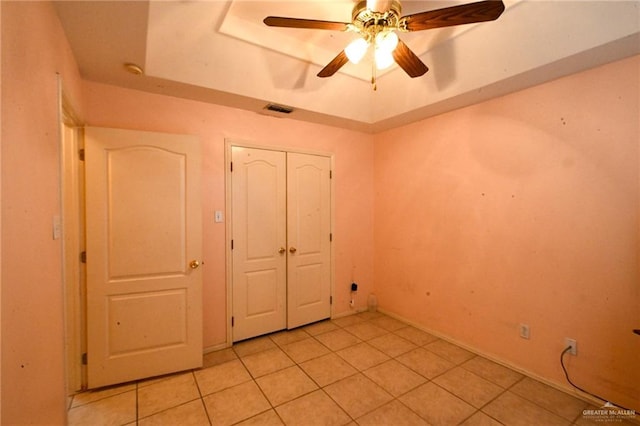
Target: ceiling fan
<point>376,22</point>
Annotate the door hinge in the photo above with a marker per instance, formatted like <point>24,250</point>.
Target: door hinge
<point>84,358</point>
<point>231,166</point>
<point>81,154</point>
<point>232,321</point>
<point>330,236</point>
<point>331,300</point>
<point>83,257</point>
<point>231,244</point>
<point>330,174</point>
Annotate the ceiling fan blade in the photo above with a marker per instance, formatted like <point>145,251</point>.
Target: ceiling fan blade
<point>408,61</point>
<point>278,21</point>
<point>332,67</point>
<point>481,11</point>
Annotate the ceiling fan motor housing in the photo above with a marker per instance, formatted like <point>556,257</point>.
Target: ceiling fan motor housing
<point>365,20</point>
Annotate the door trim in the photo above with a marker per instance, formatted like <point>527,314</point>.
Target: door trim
<point>72,220</point>
<point>228,145</point>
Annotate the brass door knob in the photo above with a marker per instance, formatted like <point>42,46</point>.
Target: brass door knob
<point>282,250</point>
<point>292,250</point>
<point>194,264</point>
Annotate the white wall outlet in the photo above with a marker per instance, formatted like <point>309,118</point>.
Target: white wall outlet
<point>525,333</point>
<point>571,343</point>
<point>218,217</point>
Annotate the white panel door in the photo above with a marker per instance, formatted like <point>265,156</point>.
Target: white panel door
<point>144,284</point>
<point>308,229</point>
<point>259,240</point>
<point>281,247</point>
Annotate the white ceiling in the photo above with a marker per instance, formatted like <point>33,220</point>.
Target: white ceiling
<point>221,52</point>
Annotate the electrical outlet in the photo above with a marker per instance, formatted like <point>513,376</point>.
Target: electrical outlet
<point>525,333</point>
<point>574,345</point>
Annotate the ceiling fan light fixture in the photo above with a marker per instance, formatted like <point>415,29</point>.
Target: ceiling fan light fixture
<point>356,50</point>
<point>377,20</point>
<point>383,59</point>
<point>386,40</point>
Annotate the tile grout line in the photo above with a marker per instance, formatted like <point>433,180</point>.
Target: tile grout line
<point>361,372</point>
<point>397,398</point>
<point>393,398</point>
<point>204,406</point>
<point>428,380</point>
<point>504,390</point>
<point>524,377</point>
<point>424,346</point>
<point>258,386</point>
<point>320,388</point>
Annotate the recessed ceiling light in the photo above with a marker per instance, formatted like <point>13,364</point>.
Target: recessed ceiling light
<point>133,68</point>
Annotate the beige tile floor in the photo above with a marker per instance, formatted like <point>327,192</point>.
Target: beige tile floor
<point>364,369</point>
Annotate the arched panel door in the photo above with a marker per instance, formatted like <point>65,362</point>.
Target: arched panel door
<point>144,249</point>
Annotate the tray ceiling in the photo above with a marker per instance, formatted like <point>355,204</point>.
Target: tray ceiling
<point>221,52</point>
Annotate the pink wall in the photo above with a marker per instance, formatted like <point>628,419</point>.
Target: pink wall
<point>34,49</point>
<point>109,106</point>
<point>0,212</point>
<point>523,209</point>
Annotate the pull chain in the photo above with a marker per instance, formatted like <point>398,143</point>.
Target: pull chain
<point>373,76</point>
<point>373,63</point>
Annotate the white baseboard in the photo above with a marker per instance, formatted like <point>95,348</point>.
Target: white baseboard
<point>349,313</point>
<point>217,347</point>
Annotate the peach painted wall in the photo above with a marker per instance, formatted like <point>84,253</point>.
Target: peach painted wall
<point>0,211</point>
<point>34,50</point>
<point>110,106</point>
<point>522,209</point>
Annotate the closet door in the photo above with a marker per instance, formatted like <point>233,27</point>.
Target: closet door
<point>259,240</point>
<point>309,238</point>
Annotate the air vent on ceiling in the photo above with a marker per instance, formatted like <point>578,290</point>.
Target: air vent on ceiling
<point>279,108</point>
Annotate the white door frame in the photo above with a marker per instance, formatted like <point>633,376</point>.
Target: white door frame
<point>72,222</point>
<point>229,143</point>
